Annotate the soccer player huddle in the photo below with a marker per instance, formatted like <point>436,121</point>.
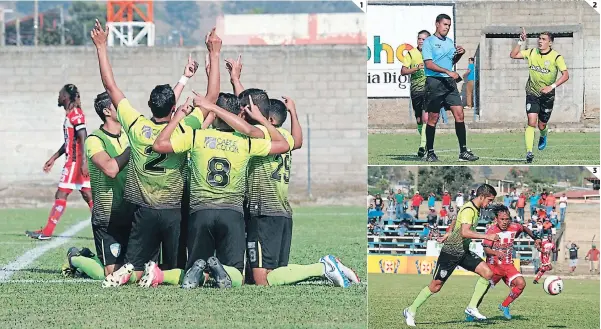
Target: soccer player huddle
<point>498,245</point>
<point>212,174</point>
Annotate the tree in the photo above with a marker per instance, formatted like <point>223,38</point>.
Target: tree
<point>185,16</point>
<point>486,171</point>
<point>439,179</point>
<point>383,184</point>
<point>82,15</point>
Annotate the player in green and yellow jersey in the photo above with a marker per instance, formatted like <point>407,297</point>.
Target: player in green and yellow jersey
<point>107,150</point>
<point>544,64</point>
<point>456,251</point>
<point>413,64</point>
<point>155,182</point>
<point>219,160</point>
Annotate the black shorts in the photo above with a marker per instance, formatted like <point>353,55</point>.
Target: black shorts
<point>441,93</point>
<point>269,240</point>
<point>182,254</point>
<point>418,102</point>
<point>216,232</point>
<point>446,264</point>
<point>111,242</point>
<point>542,105</point>
<point>154,231</point>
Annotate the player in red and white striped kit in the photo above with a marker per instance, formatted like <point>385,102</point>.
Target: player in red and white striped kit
<point>499,257</point>
<point>75,174</point>
<point>547,247</point>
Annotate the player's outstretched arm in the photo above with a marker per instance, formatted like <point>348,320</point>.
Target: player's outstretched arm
<point>296,130</point>
<point>99,36</point>
<point>163,142</point>
<point>111,166</point>
<point>235,70</point>
<point>189,71</point>
<point>467,233</point>
<point>213,43</point>
<point>256,114</point>
<point>516,51</point>
<point>530,234</point>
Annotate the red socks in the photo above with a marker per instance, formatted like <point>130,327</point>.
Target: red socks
<point>538,275</point>
<point>55,214</point>
<point>515,293</point>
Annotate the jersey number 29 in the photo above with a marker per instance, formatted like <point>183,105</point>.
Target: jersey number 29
<point>283,163</point>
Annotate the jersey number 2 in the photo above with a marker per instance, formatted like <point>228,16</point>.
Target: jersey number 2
<point>219,172</point>
<point>283,162</point>
<point>152,164</point>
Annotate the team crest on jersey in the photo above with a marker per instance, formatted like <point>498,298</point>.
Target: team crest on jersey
<point>147,131</point>
<point>547,63</point>
<point>115,249</point>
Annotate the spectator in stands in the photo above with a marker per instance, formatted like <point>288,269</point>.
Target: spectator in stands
<point>416,201</point>
<point>535,258</point>
<point>403,228</point>
<point>563,205</point>
<point>520,205</point>
<point>550,202</point>
<point>444,216</point>
<point>514,198</point>
<point>507,200</point>
<point>452,215</point>
<point>593,257</point>
<point>423,236</point>
<point>400,202</point>
<point>432,218</point>
<point>543,199</point>
<point>431,200</point>
<point>554,254</point>
<point>446,200</point>
<point>434,233</point>
<point>469,77</point>
<point>459,200</point>
<point>390,207</point>
<point>547,226</point>
<point>553,217</point>
<point>533,202</point>
<point>573,257</point>
<point>378,202</point>
<point>541,214</point>
<point>566,254</point>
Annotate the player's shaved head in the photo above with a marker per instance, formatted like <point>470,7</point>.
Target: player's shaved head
<point>260,99</point>
<point>162,101</point>
<point>102,102</point>
<point>230,103</point>
<point>277,112</point>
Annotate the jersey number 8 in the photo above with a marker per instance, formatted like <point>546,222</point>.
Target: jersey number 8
<point>219,172</point>
<point>283,163</point>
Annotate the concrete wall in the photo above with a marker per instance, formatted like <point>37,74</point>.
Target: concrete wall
<point>327,83</point>
<point>472,16</point>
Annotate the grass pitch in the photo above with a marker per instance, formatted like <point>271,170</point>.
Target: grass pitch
<point>493,149</point>
<point>577,307</point>
<point>39,297</point>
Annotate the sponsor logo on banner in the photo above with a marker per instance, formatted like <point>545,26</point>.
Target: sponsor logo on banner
<point>389,266</point>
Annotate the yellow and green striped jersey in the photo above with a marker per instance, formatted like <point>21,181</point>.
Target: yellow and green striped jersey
<point>543,69</point>
<point>153,180</point>
<point>107,193</point>
<point>418,79</point>
<point>218,166</point>
<point>455,243</point>
<point>268,180</point>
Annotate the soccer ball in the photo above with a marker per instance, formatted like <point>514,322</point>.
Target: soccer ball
<point>553,285</point>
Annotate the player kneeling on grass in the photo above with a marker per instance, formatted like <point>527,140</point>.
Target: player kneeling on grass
<point>219,159</point>
<point>456,251</point>
<point>269,237</point>
<point>499,257</point>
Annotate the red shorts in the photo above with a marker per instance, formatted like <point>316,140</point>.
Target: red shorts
<point>72,179</point>
<point>507,272</point>
<point>545,268</point>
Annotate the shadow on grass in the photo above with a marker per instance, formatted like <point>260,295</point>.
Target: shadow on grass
<point>481,324</point>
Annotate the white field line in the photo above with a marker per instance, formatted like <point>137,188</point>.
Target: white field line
<point>29,257</point>
<point>77,281</point>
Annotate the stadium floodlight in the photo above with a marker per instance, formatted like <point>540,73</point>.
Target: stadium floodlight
<point>123,26</point>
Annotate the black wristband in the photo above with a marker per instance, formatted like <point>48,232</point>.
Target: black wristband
<point>123,158</point>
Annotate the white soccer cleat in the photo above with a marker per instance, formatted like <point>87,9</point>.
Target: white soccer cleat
<point>152,277</point>
<point>119,277</point>
<point>409,318</point>
<point>348,272</point>
<point>475,313</point>
<point>332,271</point>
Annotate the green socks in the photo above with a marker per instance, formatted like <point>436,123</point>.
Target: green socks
<point>419,128</point>
<point>292,274</point>
<point>479,292</point>
<point>235,275</point>
<point>543,132</point>
<point>92,267</point>
<point>420,299</point>
<point>174,276</point>
<point>530,138</point>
